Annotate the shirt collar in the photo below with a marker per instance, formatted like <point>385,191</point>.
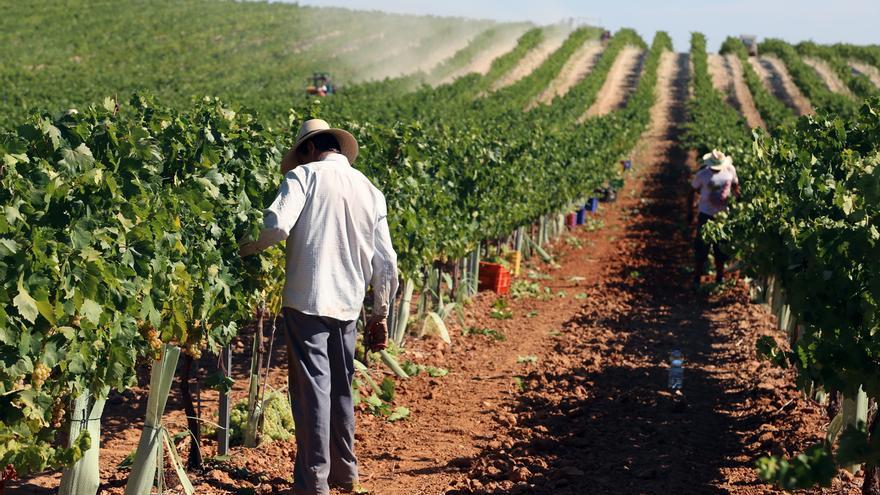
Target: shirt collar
<point>335,157</point>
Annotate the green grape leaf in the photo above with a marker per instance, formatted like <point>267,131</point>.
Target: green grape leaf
<point>46,309</point>
<point>26,305</point>
<point>219,381</point>
<point>387,389</point>
<point>8,247</point>
<point>50,355</point>
<point>399,413</point>
<point>7,336</point>
<point>91,310</point>
<point>373,400</point>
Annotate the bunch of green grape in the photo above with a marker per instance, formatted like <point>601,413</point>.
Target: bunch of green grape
<point>277,419</point>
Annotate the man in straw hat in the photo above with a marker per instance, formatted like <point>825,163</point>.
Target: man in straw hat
<point>715,182</point>
<point>334,221</point>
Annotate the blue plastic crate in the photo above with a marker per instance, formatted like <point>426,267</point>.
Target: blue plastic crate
<point>592,205</point>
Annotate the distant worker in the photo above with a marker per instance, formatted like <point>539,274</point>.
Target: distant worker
<point>322,90</point>
<point>715,182</point>
<point>335,223</point>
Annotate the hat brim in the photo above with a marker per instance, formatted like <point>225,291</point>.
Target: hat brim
<point>718,166</point>
<point>347,143</point>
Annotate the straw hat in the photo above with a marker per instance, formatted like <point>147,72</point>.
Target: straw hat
<point>313,127</point>
<point>716,160</point>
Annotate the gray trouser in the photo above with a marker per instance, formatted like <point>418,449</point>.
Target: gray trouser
<point>321,354</point>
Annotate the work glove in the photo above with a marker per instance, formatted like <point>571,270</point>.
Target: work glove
<point>376,334</point>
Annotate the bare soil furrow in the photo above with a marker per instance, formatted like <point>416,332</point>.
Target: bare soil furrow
<point>826,73</point>
<point>577,67</point>
<point>743,95</point>
<point>482,62</point>
<point>533,59</point>
<point>721,78</point>
<point>727,77</point>
<point>620,83</point>
<point>873,73</point>
<point>778,81</point>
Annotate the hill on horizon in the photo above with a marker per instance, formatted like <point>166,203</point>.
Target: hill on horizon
<point>76,52</point>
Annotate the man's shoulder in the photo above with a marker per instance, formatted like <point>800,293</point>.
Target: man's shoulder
<point>365,180</point>
<point>300,172</point>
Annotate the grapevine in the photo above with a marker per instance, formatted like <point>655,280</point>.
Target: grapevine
<point>808,219</point>
<point>123,219</point>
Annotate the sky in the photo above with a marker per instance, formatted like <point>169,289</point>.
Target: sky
<point>829,21</point>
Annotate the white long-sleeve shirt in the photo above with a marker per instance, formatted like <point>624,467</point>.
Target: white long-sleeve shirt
<point>335,223</point>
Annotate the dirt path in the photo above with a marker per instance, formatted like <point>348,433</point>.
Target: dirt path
<point>483,61</point>
<point>778,81</point>
<point>621,81</point>
<point>727,77</point>
<point>873,73</point>
<point>578,66</point>
<point>593,416</point>
<point>533,59</point>
<point>832,82</point>
<point>721,77</point>
<point>744,99</point>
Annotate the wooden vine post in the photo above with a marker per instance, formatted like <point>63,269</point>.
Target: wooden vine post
<point>255,408</point>
<point>456,280</point>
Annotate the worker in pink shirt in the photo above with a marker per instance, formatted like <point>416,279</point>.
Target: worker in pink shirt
<point>715,182</point>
